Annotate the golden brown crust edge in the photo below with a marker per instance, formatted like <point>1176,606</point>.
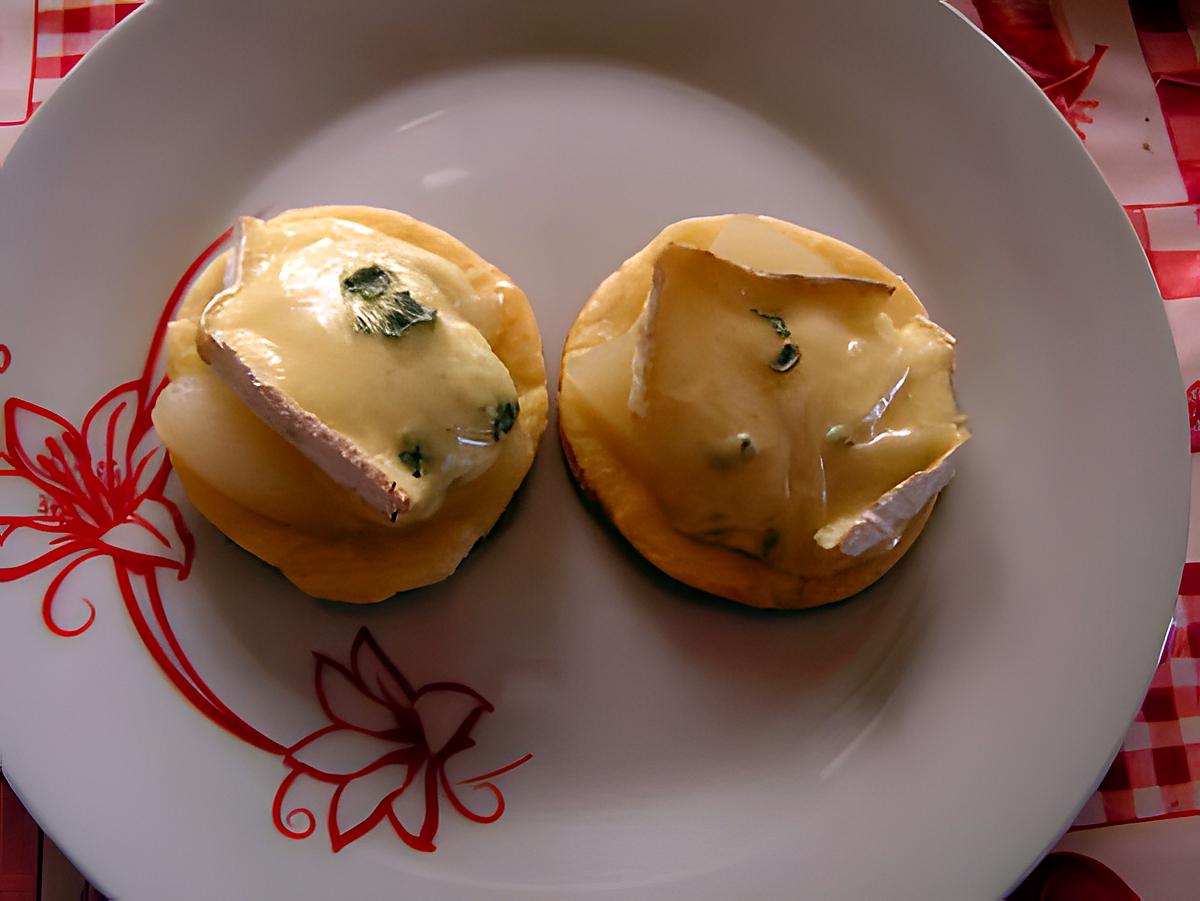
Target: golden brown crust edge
<point>608,484</point>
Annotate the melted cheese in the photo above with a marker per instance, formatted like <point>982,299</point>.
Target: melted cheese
<point>423,409</point>
<point>776,464</point>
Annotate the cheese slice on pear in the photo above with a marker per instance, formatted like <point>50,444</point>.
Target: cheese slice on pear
<point>881,526</point>
<point>776,413</point>
<point>348,343</point>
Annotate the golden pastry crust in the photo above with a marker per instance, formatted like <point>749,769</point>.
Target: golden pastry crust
<point>632,508</point>
<point>371,563</point>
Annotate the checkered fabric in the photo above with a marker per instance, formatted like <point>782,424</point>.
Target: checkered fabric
<point>1155,773</point>
<point>64,30</point>
<point>1170,235</point>
<point>1167,33</point>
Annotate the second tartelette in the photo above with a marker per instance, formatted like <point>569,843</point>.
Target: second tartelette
<point>764,412</point>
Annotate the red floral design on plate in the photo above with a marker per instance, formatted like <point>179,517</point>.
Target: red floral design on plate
<point>96,490</point>
<point>385,739</point>
<point>100,494</point>
<point>5,358</point>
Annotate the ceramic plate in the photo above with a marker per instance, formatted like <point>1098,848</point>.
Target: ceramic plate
<point>186,725</point>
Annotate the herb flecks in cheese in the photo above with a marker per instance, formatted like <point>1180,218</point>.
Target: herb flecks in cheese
<point>839,433</point>
<point>348,343</point>
<point>504,417</point>
<point>777,323</point>
<point>789,354</point>
<point>414,459</point>
<point>786,360</point>
<point>733,450</point>
<point>380,308</point>
<point>746,447</point>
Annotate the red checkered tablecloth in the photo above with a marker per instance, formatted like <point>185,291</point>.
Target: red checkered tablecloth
<point>1155,773</point>
<point>62,32</point>
<point>1126,75</point>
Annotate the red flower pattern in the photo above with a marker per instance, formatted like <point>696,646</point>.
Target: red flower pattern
<point>385,738</point>
<point>98,492</point>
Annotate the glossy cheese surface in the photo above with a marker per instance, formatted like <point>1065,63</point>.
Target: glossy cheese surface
<point>768,412</point>
<point>363,331</point>
<point>258,488</point>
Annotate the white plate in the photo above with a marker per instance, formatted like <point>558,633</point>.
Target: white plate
<point>925,740</point>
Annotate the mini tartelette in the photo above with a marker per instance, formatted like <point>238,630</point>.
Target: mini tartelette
<point>354,398</point>
<point>764,412</point>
